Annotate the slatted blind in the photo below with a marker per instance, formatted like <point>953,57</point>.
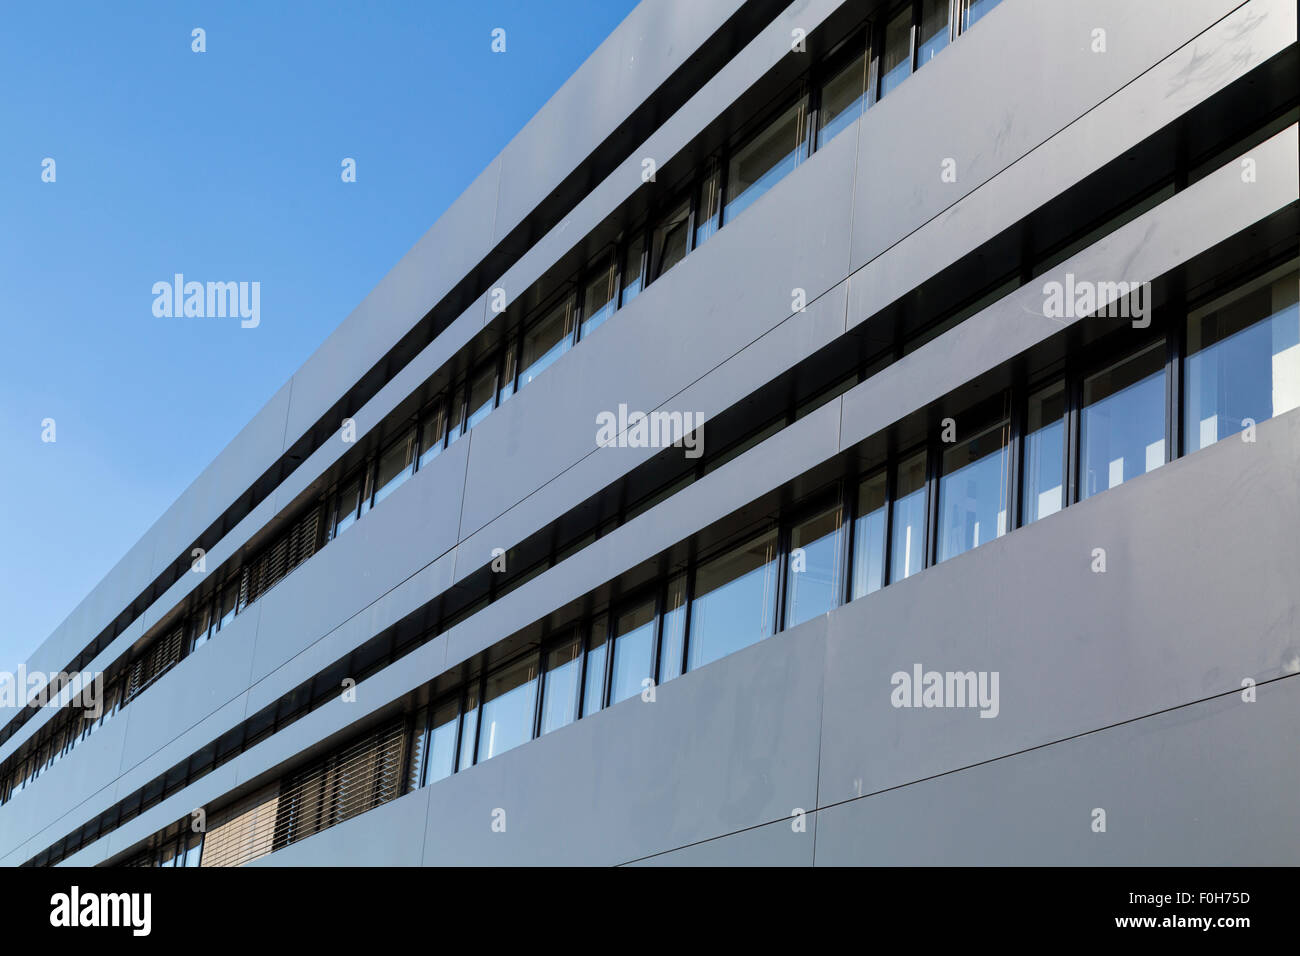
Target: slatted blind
<point>155,661</point>
<point>242,832</point>
<point>295,545</point>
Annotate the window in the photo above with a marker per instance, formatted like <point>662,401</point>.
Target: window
<point>1043,491</point>
<point>896,60</point>
<point>593,692</point>
<point>440,754</point>
<point>509,699</point>
<point>908,544</point>
<point>455,414</point>
<point>229,598</point>
<point>734,604</point>
<point>509,370</point>
<point>934,30</point>
<point>668,244</point>
<point>1123,421</point>
<point>482,394</point>
<point>869,537</point>
<point>345,510</point>
<point>634,651</point>
<point>973,491</point>
<point>546,340</point>
<point>632,268</point>
<point>560,687</point>
<point>812,582</point>
<point>708,208</point>
<point>761,163</point>
<point>468,727</point>
<point>844,99</point>
<point>673,640</point>
<point>201,626</point>
<point>396,464</point>
<point>431,434</point>
<point>1243,361</point>
<point>976,9</point>
<point>598,298</point>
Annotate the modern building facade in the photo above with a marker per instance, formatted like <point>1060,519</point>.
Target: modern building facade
<point>828,433</point>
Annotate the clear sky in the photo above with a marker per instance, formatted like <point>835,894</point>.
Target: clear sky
<point>222,165</point>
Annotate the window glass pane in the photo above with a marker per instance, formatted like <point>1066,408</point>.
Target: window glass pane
<point>228,599</point>
<point>468,727</point>
<point>1123,422</point>
<point>455,413</point>
<point>367,487</point>
<point>1044,488</point>
<point>976,9</point>
<point>812,583</point>
<point>593,693</point>
<point>431,434</point>
<point>844,99</point>
<point>509,700</point>
<point>200,626</point>
<point>632,269</point>
<point>708,208</point>
<point>908,545</point>
<point>546,340</point>
<point>597,299</point>
<point>673,640</point>
<point>345,511</point>
<point>762,162</point>
<point>395,465</point>
<point>668,243</point>
<point>193,849</point>
<point>441,759</point>
<point>482,394</point>
<point>869,537</point>
<point>634,648</point>
<point>560,691</point>
<point>509,369</point>
<point>934,30</point>
<point>1243,361</point>
<point>896,60</point>
<point>973,491</point>
<point>734,600</point>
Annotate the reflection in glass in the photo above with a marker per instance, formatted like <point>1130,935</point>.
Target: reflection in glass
<point>509,699</point>
<point>762,162</point>
<point>934,30</point>
<point>560,690</point>
<point>1044,487</point>
<point>345,512</point>
<point>431,435</point>
<point>1243,362</point>
<point>674,630</point>
<point>634,649</point>
<point>812,583</point>
<point>440,760</point>
<point>395,465</point>
<point>546,340</point>
<point>908,544</point>
<point>844,99</point>
<point>482,394</point>
<point>597,299</point>
<point>869,537</point>
<point>973,491</point>
<point>593,691</point>
<point>632,263</point>
<point>468,727</point>
<point>1123,421</point>
<point>668,243</point>
<point>708,214</point>
<point>896,60</point>
<point>455,414</point>
<point>734,603</point>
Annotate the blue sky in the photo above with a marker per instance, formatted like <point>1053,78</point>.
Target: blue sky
<point>222,165</point>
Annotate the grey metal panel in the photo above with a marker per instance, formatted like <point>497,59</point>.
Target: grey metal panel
<point>1167,623</point>
<point>205,793</point>
<point>1211,784</point>
<point>718,94</point>
<point>1190,222</point>
<point>728,746</point>
<point>207,680</point>
<point>762,468</point>
<point>652,42</point>
<point>390,835</point>
<point>388,610</point>
<point>412,527</point>
<point>773,844</point>
<point>758,363</point>
<point>722,297</point>
<point>1016,79</point>
<point>1201,68</point>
